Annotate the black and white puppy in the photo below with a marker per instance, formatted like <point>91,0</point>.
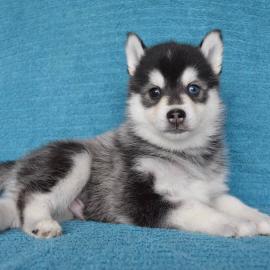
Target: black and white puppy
<point>164,167</point>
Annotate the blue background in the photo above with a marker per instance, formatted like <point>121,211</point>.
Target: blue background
<point>63,75</point>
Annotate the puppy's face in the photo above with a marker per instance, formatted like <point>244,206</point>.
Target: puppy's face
<point>173,93</point>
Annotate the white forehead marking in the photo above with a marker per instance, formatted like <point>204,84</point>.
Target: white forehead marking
<point>156,78</point>
<point>189,75</point>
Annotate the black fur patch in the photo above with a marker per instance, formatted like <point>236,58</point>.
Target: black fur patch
<point>142,204</point>
<point>42,169</point>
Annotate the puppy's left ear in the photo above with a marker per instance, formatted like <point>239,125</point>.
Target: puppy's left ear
<point>134,52</point>
<point>212,48</point>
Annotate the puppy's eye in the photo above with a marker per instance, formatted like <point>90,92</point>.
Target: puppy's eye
<point>155,93</point>
<point>193,90</point>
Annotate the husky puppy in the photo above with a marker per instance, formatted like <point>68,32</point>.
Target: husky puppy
<point>165,166</point>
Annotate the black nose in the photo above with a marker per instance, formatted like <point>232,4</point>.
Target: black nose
<point>176,117</point>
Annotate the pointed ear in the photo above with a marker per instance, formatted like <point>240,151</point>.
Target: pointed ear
<point>134,52</point>
<point>212,49</point>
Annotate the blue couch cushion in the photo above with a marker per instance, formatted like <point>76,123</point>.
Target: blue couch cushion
<point>90,245</point>
<point>63,75</point>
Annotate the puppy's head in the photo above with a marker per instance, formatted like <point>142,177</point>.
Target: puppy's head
<point>173,92</point>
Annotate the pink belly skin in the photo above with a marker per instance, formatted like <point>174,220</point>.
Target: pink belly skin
<point>76,208</point>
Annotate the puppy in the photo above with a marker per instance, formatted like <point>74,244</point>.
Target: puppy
<point>165,166</point>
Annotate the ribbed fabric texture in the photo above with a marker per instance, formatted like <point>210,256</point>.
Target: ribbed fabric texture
<point>63,75</point>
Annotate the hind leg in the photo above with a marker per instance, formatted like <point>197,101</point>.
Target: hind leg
<point>9,217</point>
<point>43,210</point>
<point>37,218</point>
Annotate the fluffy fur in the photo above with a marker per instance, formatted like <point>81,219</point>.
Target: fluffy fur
<point>164,167</point>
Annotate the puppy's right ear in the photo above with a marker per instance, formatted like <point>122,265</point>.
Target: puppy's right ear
<point>134,52</point>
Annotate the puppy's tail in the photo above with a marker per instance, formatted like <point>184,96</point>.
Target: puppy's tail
<point>5,169</point>
<point>8,211</point>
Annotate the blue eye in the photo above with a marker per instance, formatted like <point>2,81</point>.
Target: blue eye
<point>193,89</point>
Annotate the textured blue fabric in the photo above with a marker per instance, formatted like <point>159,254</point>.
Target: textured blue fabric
<point>63,75</point>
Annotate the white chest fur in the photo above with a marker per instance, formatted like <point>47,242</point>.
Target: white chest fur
<point>182,181</point>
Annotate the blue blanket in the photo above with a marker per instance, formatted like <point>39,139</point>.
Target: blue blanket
<point>63,75</point>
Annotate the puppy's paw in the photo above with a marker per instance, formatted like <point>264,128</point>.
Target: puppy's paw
<point>226,230</point>
<point>47,228</point>
<point>246,228</point>
<point>223,226</point>
<point>236,228</point>
<point>263,224</point>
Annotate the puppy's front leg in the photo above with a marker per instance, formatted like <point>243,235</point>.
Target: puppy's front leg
<point>198,217</point>
<point>234,207</point>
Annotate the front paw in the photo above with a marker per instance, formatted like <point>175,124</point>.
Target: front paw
<point>258,225</point>
<point>246,229</point>
<point>235,228</point>
<point>262,222</point>
<point>225,230</point>
<point>238,229</point>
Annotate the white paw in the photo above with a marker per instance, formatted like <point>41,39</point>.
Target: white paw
<point>47,228</point>
<point>263,224</point>
<point>226,230</point>
<point>236,228</point>
<point>222,226</point>
<point>246,228</point>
